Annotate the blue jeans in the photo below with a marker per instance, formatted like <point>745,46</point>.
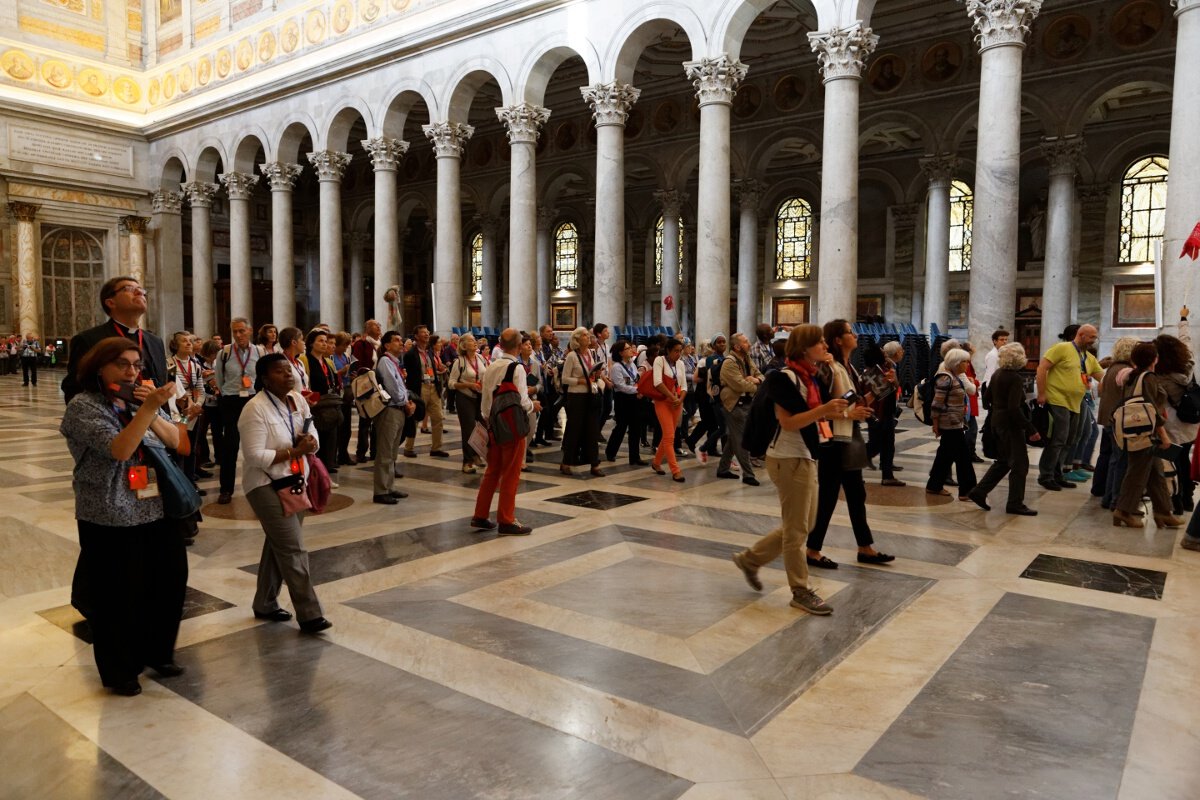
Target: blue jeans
<point>1117,462</point>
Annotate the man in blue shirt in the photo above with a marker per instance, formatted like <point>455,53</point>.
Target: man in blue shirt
<point>389,424</point>
<point>235,381</point>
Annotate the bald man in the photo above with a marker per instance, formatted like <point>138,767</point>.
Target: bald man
<point>1063,377</point>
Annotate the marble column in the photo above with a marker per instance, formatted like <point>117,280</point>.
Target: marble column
<point>610,103</point>
<point>523,122</point>
<point>1063,154</point>
<point>1093,234</point>
<point>281,177</point>
<point>842,54</point>
<point>135,228</point>
<point>1000,29</point>
<point>903,249</point>
<point>939,170</point>
<point>749,304</point>
<point>672,202</point>
<point>240,188</point>
<point>330,166</point>
<point>200,196</point>
<point>1183,198</point>
<point>29,278</point>
<point>716,81</point>
<point>489,286</point>
<point>169,255</point>
<point>355,241</point>
<point>448,139</point>
<point>545,263</point>
<point>386,155</point>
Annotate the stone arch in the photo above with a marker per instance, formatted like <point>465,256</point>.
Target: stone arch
<point>556,181</point>
<point>174,171</point>
<point>799,139</point>
<point>210,160</point>
<point>410,200</point>
<point>291,135</point>
<point>640,29</point>
<point>536,72</point>
<point>468,80</point>
<point>654,165</point>
<point>883,178</point>
<point>734,18</point>
<point>688,162</point>
<point>929,141</point>
<point>246,150</point>
<point>497,198</point>
<point>1111,168</point>
<point>361,215</point>
<point>1139,77</point>
<point>794,186</point>
<point>394,114</point>
<point>966,120</point>
<point>337,131</point>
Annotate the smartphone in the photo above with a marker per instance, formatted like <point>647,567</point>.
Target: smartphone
<point>307,425</point>
<point>850,396</point>
<point>124,391</point>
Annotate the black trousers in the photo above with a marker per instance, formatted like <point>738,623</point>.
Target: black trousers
<point>366,439</point>
<point>881,442</point>
<point>138,577</point>
<point>549,415</point>
<point>711,423</point>
<point>831,480</point>
<point>29,370</point>
<point>579,445</point>
<point>1182,500</point>
<point>953,450</point>
<point>627,410</point>
<point>231,440</point>
<point>1013,462</point>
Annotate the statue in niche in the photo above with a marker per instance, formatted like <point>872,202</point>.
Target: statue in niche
<point>1036,221</point>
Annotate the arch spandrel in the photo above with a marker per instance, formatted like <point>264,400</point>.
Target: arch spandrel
<point>211,159</point>
<point>640,30</point>
<point>399,105</point>
<point>290,135</point>
<point>337,129</point>
<point>466,82</point>
<point>537,71</point>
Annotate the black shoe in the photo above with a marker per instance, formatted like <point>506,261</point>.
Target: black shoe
<point>315,625</point>
<point>384,500</point>
<point>823,562</point>
<point>483,523</point>
<point>977,460</point>
<point>1024,511</point>
<point>129,688</point>
<point>397,494</point>
<point>751,481</point>
<point>978,500</point>
<point>410,453</point>
<point>878,558</point>
<point>515,529</point>
<point>897,468</point>
<point>439,454</point>
<point>203,473</point>
<point>728,475</point>
<point>638,462</point>
<point>1051,485</point>
<point>168,670</point>
<point>543,443</point>
<point>209,465</point>
<point>224,499</point>
<point>951,482</point>
<point>1064,484</point>
<point>201,492</point>
<point>278,615</point>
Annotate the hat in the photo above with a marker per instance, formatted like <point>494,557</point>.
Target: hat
<point>1068,333</point>
<point>716,336</point>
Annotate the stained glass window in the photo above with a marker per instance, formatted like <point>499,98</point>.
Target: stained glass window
<point>1143,209</point>
<point>793,241</point>
<point>477,264</point>
<point>658,250</point>
<point>962,210</point>
<point>72,271</point>
<point>566,256</point>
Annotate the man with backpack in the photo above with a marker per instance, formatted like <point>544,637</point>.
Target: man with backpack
<point>389,423</point>
<point>506,406</point>
<point>1062,381</point>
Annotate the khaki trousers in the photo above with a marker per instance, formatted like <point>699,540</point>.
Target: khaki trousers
<point>433,412</point>
<point>389,424</point>
<point>795,480</point>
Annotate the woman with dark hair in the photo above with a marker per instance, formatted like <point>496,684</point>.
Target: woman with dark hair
<point>1174,371</point>
<point>267,339</point>
<point>627,408</point>
<point>1143,471</point>
<point>187,405</point>
<point>132,554</point>
<point>671,388</point>
<point>277,437</point>
<point>324,383</point>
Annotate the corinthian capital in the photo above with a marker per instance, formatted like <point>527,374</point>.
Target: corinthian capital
<point>1063,153</point>
<point>905,216</point>
<point>239,185</point>
<point>939,170</point>
<point>281,176</point>
<point>199,194</point>
<point>1001,22</point>
<point>167,202</point>
<point>134,225</point>
<point>716,79</point>
<point>330,164</point>
<point>748,191</point>
<point>545,217</point>
<point>448,138</point>
<point>1184,5</point>
<point>386,153</point>
<point>672,201</point>
<point>843,52</point>
<point>23,212</point>
<point>524,122</point>
<point>610,102</point>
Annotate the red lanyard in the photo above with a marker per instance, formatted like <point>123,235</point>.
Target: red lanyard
<point>179,365</point>
<point>299,371</point>
<point>241,363</point>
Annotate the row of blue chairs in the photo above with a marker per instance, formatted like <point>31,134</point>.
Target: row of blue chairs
<point>887,329</point>
<point>640,333</point>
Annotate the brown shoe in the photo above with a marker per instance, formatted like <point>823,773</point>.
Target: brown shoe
<point>1167,521</point>
<point>1128,520</point>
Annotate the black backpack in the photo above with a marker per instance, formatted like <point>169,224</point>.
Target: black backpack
<point>1188,409</point>
<point>922,401</point>
<point>762,426</point>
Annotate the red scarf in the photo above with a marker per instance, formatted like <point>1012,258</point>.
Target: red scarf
<point>808,375</point>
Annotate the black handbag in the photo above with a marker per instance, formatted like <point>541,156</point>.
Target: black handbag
<point>987,439</point>
<point>854,452</point>
<point>179,497</point>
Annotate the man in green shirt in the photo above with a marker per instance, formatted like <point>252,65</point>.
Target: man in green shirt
<point>1062,381</point>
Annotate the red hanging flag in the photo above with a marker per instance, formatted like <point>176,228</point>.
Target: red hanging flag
<point>669,301</point>
<point>1192,246</point>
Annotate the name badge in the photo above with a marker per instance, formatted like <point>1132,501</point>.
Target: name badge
<point>142,482</point>
<point>824,430</point>
<point>244,393</point>
<point>246,382</point>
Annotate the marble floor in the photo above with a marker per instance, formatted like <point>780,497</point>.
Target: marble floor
<point>616,652</point>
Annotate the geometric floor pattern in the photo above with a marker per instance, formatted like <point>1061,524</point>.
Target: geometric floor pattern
<point>617,652</point>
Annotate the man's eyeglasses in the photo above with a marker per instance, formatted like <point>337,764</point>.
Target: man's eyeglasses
<point>136,291</point>
<point>124,363</point>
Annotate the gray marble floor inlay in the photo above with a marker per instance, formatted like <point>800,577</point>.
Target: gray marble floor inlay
<point>1038,702</point>
<point>1095,575</point>
<point>413,469</point>
<point>317,702</point>
<point>1093,529</point>
<point>195,604</point>
<point>599,501</point>
<point>44,757</point>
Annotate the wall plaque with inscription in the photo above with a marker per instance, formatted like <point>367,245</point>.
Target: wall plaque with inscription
<point>41,146</point>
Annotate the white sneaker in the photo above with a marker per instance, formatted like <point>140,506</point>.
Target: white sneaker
<point>334,484</point>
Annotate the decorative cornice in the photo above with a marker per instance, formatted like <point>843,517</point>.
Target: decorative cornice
<point>1063,154</point>
<point>134,225</point>
<point>545,217</point>
<point>716,79</point>
<point>167,202</point>
<point>939,170</point>
<point>843,52</point>
<point>281,176</point>
<point>330,164</point>
<point>448,138</point>
<point>524,122</point>
<point>200,195</point>
<point>1001,22</point>
<point>905,216</point>
<point>23,212</point>
<point>386,154</point>
<point>239,185</point>
<point>749,192</point>
<point>672,201</point>
<point>610,102</point>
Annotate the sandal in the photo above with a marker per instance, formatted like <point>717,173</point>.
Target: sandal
<point>824,562</point>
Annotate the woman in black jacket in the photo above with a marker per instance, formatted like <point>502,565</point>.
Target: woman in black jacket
<point>1009,420</point>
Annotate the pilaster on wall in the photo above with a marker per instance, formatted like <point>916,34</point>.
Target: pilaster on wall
<point>903,247</point>
<point>1093,202</point>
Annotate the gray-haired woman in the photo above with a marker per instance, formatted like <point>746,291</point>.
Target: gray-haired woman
<point>1009,420</point>
<point>466,379</point>
<point>950,425</point>
<point>582,387</point>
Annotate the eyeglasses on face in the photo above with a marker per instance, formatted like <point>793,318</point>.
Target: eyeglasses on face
<point>132,289</point>
<point>124,363</point>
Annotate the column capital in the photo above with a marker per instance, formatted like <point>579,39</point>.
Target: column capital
<point>23,212</point>
<point>200,194</point>
<point>716,79</point>
<point>386,153</point>
<point>1001,22</point>
<point>749,193</point>
<point>281,176</point>
<point>1095,192</point>
<point>524,122</point>
<point>610,102</point>
<point>134,225</point>
<point>672,201</point>
<point>488,224</point>
<point>905,216</point>
<point>545,218</point>
<point>167,202</point>
<point>1182,6</point>
<point>1063,153</point>
<point>448,138</point>
<point>238,185</point>
<point>355,238</point>
<point>330,164</point>
<point>939,170</point>
<point>843,52</point>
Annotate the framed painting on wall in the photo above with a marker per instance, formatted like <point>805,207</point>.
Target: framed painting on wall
<point>563,315</point>
<point>790,310</point>
<point>869,307</point>
<point>474,317</point>
<point>957,310</point>
<point>1133,306</point>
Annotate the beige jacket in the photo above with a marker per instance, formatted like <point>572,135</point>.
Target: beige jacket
<point>734,381</point>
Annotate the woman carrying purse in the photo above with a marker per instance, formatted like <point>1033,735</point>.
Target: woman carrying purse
<point>324,383</point>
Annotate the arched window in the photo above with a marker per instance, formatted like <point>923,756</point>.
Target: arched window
<point>72,271</point>
<point>566,256</point>
<point>962,210</point>
<point>793,241</point>
<point>477,264</point>
<point>658,249</point>
<point>1143,209</point>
